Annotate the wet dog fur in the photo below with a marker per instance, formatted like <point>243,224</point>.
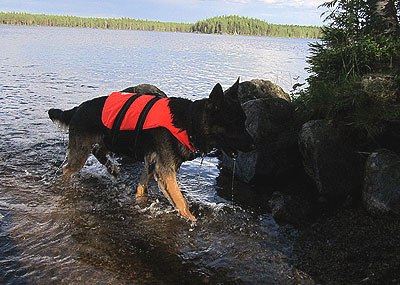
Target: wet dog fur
<point>215,122</point>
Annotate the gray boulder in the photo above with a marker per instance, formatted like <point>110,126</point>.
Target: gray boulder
<point>145,89</point>
<point>330,158</point>
<point>381,192</point>
<point>270,122</point>
<point>259,88</point>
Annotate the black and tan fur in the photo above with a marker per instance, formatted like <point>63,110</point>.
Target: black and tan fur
<point>215,122</point>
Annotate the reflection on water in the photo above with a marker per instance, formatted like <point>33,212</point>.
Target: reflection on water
<point>92,230</point>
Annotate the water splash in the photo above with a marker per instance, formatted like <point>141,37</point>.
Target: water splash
<point>233,182</point>
<point>201,164</point>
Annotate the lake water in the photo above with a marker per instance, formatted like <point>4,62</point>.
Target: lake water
<point>92,231</point>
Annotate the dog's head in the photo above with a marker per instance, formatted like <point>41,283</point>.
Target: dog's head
<point>226,121</point>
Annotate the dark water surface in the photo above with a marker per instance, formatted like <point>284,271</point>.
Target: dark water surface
<point>91,230</point>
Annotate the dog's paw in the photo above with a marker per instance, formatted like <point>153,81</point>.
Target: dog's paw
<point>113,170</point>
<point>141,193</point>
<point>141,198</point>
<point>186,213</point>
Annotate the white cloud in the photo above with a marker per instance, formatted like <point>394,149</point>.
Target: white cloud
<point>276,3</point>
<point>238,1</point>
<point>295,3</point>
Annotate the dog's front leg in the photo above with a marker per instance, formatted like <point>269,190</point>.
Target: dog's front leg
<point>147,174</point>
<point>144,181</point>
<point>169,186</point>
<point>100,152</point>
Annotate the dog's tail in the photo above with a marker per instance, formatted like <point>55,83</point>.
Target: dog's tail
<point>61,117</point>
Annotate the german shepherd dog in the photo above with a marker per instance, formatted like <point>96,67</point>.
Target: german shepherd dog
<point>216,122</point>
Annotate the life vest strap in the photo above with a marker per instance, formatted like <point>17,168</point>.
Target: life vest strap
<point>142,118</point>
<point>120,117</point>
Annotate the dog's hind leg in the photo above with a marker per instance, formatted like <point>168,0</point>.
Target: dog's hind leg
<point>100,151</point>
<point>146,176</point>
<point>169,186</point>
<point>79,147</point>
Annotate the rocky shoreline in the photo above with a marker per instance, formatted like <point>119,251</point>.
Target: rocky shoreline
<point>341,188</point>
<point>347,245</point>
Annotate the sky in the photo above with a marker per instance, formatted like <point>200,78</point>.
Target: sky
<point>296,12</point>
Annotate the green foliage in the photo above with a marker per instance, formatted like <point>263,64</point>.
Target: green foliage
<point>349,103</point>
<point>339,57</point>
<point>353,45</point>
<point>218,25</point>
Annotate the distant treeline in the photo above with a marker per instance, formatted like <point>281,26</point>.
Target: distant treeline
<point>25,19</point>
<point>233,25</point>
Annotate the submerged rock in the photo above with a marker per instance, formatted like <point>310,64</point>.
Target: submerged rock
<point>330,158</point>
<point>270,122</point>
<point>382,182</point>
<point>288,208</point>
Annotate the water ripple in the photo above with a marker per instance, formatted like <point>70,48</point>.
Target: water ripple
<point>92,230</point>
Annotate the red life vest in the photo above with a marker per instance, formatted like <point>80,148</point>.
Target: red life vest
<point>158,116</point>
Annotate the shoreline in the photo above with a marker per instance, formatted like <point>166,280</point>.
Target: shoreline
<point>196,33</point>
<point>348,245</point>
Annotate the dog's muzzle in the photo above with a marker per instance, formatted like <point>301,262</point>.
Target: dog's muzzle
<point>232,153</point>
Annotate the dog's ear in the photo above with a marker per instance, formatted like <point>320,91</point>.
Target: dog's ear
<point>232,92</point>
<point>216,96</point>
